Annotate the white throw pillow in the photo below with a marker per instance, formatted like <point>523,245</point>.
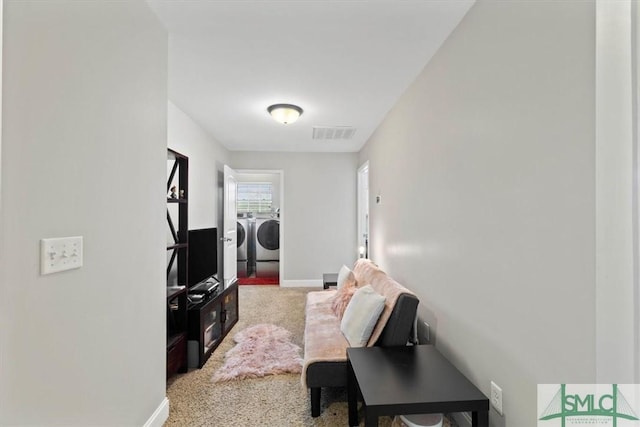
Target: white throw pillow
<point>361,316</point>
<point>342,276</point>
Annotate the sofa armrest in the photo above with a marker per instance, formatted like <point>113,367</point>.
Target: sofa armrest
<point>397,331</point>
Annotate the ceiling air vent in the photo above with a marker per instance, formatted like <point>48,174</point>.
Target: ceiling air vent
<point>333,132</point>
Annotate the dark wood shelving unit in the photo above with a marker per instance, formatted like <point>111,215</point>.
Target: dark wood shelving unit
<point>172,293</point>
<point>177,266</point>
<point>177,246</point>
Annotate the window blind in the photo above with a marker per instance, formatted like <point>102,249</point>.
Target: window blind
<point>255,197</point>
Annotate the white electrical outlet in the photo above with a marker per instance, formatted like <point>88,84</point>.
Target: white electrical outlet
<point>496,397</point>
<point>427,332</point>
<point>59,254</point>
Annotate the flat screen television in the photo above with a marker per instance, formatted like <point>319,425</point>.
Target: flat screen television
<point>203,254</point>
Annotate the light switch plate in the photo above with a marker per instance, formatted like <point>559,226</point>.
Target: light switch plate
<point>59,254</point>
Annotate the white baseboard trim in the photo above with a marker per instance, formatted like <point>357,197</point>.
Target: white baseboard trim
<point>301,284</point>
<point>160,415</point>
<point>463,419</point>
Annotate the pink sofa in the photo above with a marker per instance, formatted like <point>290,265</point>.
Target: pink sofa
<point>325,359</point>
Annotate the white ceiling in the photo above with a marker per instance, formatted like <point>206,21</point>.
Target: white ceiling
<point>344,62</point>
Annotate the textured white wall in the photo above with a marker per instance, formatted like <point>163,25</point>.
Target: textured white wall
<point>84,152</point>
<point>319,208</point>
<point>486,170</point>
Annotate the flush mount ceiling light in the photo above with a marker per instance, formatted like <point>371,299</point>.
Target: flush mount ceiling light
<point>284,113</point>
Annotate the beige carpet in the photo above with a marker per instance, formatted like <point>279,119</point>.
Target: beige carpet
<point>279,400</point>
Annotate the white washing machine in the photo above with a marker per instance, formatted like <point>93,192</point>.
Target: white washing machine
<point>242,238</point>
<point>267,246</point>
<point>267,239</point>
<point>242,235</point>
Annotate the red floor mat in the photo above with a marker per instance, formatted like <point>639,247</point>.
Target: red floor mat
<point>258,281</point>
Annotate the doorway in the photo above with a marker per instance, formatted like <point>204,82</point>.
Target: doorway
<point>363,210</point>
<point>260,218</point>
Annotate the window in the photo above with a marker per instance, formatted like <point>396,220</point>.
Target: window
<point>254,197</point>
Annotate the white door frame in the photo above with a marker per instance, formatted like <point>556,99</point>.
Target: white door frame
<point>229,221</point>
<point>363,239</point>
<point>1,48</point>
<point>279,172</point>
<point>617,266</point>
<point>635,214</point>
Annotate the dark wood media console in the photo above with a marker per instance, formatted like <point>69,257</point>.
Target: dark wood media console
<point>210,321</point>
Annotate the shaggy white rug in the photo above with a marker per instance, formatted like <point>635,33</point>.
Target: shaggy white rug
<point>261,350</point>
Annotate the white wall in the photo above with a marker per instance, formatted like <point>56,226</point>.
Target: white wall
<point>319,209</point>
<point>84,152</point>
<point>486,170</point>
<point>616,326</point>
<point>206,160</point>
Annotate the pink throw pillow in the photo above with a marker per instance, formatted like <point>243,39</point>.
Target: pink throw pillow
<point>342,297</point>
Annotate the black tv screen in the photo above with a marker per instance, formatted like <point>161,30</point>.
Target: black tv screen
<point>203,254</point>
